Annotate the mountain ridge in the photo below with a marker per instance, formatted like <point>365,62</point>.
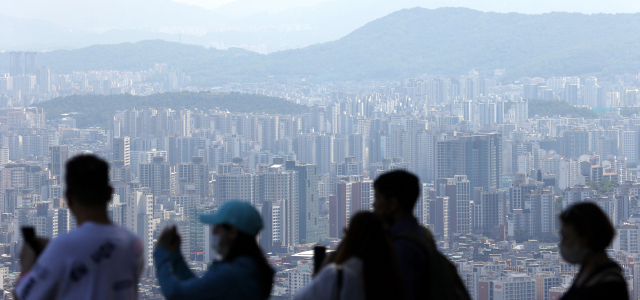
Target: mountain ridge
<point>406,43</point>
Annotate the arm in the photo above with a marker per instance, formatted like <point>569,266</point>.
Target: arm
<point>173,261</point>
<point>168,252</point>
<point>180,268</point>
<point>42,280</point>
<point>216,282</point>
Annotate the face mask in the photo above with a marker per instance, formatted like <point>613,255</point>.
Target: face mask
<point>216,244</point>
<point>573,254</point>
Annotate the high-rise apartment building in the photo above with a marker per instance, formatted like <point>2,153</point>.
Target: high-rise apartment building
<point>277,191</point>
<point>122,150</point>
<point>478,156</point>
<point>571,93</point>
<point>16,64</point>
<point>59,157</point>
<point>195,173</point>
<point>30,63</point>
<point>458,192</point>
<point>352,196</point>
<point>574,142</point>
<point>308,219</point>
<point>237,185</point>
<point>155,175</point>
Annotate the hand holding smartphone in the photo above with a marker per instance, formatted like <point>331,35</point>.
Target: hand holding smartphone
<point>29,235</point>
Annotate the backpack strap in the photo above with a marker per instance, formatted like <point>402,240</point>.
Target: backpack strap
<point>609,273</point>
<point>339,282</point>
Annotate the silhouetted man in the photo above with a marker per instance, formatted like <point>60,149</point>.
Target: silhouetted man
<point>396,193</point>
<point>98,260</point>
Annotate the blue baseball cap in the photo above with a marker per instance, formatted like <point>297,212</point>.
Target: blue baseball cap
<point>240,215</point>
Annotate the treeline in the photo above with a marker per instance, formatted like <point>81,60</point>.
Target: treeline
<point>97,110</point>
<point>550,108</point>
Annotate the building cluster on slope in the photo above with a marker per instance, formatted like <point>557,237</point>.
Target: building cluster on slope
<point>27,83</point>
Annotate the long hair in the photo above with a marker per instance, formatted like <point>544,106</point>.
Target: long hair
<point>245,245</point>
<point>368,240</point>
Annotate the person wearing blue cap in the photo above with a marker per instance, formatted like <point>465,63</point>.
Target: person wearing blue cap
<point>242,271</point>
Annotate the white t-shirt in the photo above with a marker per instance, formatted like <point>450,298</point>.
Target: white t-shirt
<point>94,261</point>
<point>325,285</point>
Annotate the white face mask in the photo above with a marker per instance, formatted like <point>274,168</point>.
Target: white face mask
<point>573,254</point>
<point>216,244</point>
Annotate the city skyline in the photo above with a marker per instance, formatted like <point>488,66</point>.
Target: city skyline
<point>504,126</point>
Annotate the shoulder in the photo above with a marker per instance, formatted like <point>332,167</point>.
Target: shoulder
<point>127,234</point>
<point>610,274</point>
<point>353,266</point>
<point>405,245</point>
<point>614,290</point>
<point>329,271</point>
<point>61,243</point>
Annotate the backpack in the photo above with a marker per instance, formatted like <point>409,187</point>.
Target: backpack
<point>442,279</point>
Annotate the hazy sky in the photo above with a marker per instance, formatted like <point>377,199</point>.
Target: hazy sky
<point>210,4</point>
<point>269,5</point>
<point>521,6</point>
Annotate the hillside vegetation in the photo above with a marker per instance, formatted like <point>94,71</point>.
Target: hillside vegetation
<point>97,110</point>
<point>406,43</point>
<point>550,108</point>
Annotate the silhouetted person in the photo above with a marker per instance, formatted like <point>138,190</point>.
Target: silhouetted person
<point>396,194</point>
<point>243,271</point>
<point>585,234</point>
<point>98,260</point>
<point>367,262</point>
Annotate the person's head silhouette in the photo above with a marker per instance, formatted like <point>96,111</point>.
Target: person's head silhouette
<point>396,193</point>
<point>585,229</point>
<point>88,191</point>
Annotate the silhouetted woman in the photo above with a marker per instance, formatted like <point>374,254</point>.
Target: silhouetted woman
<point>243,271</point>
<point>364,266</point>
<point>585,234</point>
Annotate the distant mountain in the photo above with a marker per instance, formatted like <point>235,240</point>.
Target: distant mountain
<point>278,24</point>
<point>207,67</point>
<point>410,42</point>
<point>451,41</point>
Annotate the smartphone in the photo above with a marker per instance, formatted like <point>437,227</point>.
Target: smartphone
<point>29,235</point>
<point>319,254</point>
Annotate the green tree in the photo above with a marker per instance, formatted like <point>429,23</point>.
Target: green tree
<point>602,186</point>
<point>558,205</point>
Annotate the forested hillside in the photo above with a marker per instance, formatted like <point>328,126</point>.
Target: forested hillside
<point>97,110</point>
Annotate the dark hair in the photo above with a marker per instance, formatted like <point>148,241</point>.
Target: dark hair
<point>368,239</point>
<point>87,178</point>
<point>246,245</point>
<point>590,222</point>
<point>401,185</point>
